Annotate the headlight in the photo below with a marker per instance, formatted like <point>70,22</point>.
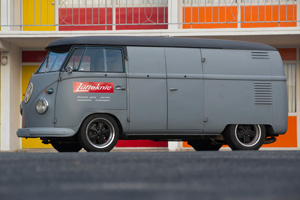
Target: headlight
<point>28,92</point>
<point>41,106</point>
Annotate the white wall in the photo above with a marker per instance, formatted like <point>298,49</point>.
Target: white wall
<point>10,98</point>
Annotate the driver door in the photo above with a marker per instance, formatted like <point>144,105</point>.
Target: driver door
<point>97,83</point>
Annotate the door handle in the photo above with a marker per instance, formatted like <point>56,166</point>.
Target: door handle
<point>120,88</point>
<point>173,89</point>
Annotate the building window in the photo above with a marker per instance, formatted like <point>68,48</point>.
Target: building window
<point>290,72</point>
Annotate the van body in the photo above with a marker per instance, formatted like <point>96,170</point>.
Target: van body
<point>92,91</point>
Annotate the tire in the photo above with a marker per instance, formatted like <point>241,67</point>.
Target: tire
<point>204,145</point>
<point>245,137</point>
<point>99,133</point>
<point>61,146</point>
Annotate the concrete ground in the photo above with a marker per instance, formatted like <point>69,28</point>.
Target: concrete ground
<point>263,175</point>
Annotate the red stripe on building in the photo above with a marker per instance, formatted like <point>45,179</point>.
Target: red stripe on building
<point>33,56</point>
<point>288,54</point>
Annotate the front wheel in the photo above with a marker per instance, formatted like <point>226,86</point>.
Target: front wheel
<point>99,133</point>
<point>245,137</point>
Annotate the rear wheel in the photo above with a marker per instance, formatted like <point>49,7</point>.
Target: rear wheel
<point>204,145</point>
<point>245,137</point>
<point>62,146</point>
<point>99,133</point>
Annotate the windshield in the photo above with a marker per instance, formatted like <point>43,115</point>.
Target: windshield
<point>52,62</point>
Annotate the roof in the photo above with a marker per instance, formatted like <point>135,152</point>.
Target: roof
<point>155,42</point>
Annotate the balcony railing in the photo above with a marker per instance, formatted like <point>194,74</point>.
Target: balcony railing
<point>239,13</point>
<point>67,15</point>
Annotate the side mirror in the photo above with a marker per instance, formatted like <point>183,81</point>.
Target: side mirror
<point>69,69</point>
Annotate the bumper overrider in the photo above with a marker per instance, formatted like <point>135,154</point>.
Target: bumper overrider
<point>45,132</point>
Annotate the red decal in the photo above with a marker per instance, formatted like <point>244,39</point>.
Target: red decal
<point>93,87</point>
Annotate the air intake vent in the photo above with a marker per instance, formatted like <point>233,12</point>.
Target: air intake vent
<point>263,92</point>
<point>260,55</point>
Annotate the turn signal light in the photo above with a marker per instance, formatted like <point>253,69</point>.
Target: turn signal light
<point>49,91</point>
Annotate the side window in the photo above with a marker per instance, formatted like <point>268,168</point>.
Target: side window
<point>92,60</point>
<point>114,60</point>
<point>97,60</point>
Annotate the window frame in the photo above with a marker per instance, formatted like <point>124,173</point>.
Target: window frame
<point>85,47</point>
<point>46,58</point>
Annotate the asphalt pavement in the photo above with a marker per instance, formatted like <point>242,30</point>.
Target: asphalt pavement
<point>240,175</point>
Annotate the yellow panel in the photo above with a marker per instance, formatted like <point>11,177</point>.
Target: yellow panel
<point>30,143</point>
<point>38,12</point>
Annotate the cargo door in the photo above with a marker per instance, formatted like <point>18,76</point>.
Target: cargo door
<point>184,88</point>
<point>97,84</point>
<point>147,89</point>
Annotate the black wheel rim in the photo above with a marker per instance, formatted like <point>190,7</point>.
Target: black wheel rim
<point>100,133</point>
<point>248,135</point>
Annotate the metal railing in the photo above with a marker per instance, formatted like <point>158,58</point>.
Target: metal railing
<point>112,12</point>
<point>141,14</point>
<point>203,12</point>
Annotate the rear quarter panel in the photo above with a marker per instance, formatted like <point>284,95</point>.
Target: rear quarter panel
<point>280,102</point>
<point>231,80</point>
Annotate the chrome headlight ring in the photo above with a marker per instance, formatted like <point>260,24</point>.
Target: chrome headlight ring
<point>41,106</point>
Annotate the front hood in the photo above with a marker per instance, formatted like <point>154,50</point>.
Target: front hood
<point>40,83</point>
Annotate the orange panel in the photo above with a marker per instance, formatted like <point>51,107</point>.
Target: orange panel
<point>266,14</point>
<point>185,144</point>
<point>288,54</point>
<point>215,17</point>
<point>287,140</point>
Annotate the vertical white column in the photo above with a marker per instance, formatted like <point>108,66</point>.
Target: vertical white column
<point>114,17</point>
<point>10,98</point>
<point>5,15</point>
<point>56,5</point>
<point>10,15</point>
<point>174,14</point>
<point>239,2</point>
<point>174,146</point>
<point>298,13</point>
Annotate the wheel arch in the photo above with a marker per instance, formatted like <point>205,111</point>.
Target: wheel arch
<point>269,128</point>
<point>104,113</point>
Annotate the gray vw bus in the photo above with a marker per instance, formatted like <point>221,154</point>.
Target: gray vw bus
<point>90,92</point>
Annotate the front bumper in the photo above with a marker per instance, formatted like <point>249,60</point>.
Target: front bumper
<point>45,132</point>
